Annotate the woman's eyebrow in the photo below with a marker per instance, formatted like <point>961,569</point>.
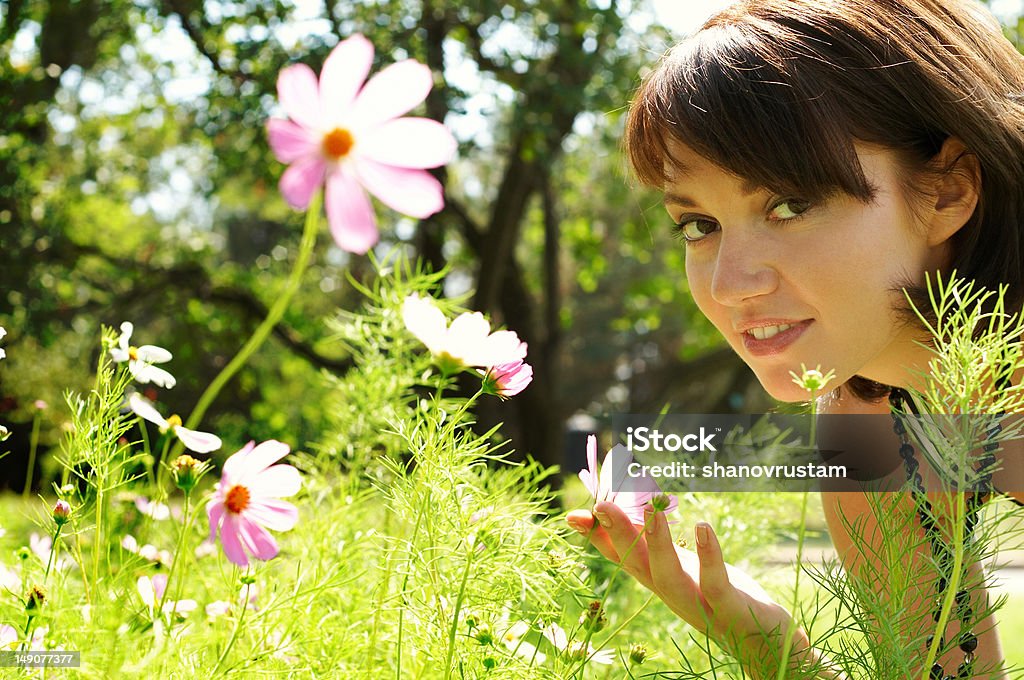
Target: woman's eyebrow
<point>747,189</point>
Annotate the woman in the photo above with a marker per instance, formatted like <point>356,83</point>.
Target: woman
<point>817,157</point>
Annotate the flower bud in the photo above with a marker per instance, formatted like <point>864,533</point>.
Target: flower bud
<point>483,635</point>
<point>661,502</point>
<point>593,617</point>
<point>36,598</point>
<point>187,471</point>
<point>4,433</point>
<point>638,653</point>
<point>61,513</point>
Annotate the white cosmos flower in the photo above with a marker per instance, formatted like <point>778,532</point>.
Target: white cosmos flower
<point>574,649</point>
<point>3,332</point>
<point>467,342</point>
<point>200,442</point>
<point>141,359</point>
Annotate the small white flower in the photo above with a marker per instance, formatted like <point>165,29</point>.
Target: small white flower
<point>574,649</point>
<point>152,509</point>
<point>3,332</point>
<point>147,551</point>
<point>152,589</point>
<point>141,359</point>
<point>513,640</point>
<point>200,442</point>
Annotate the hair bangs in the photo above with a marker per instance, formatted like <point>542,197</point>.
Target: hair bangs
<point>742,98</point>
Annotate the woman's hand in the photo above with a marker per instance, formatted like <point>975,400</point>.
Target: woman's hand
<point>699,587</point>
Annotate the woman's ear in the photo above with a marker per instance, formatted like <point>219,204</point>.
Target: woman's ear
<point>954,191</point>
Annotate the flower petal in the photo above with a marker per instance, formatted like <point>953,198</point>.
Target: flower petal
<point>424,320</point>
<point>147,373</point>
<point>349,214</point>
<point>231,542</point>
<point>411,192</point>
<point>159,585</point>
<point>214,513</point>
<point>301,180</point>
<point>299,94</point>
<point>234,467</point>
<point>290,142</point>
<point>146,591</point>
<point>391,92</point>
<point>278,481</point>
<point>152,354</point>
<point>273,514</point>
<point>141,407</point>
<point>258,459</point>
<point>409,143</point>
<point>256,539</point>
<point>500,347</point>
<point>343,73</point>
<point>127,328</point>
<point>200,442</point>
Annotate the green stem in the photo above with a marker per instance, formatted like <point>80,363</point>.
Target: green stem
<point>263,330</point>
<point>53,551</point>
<point>787,645</point>
<point>185,524</point>
<point>952,588</point>
<point>33,443</point>
<point>455,615</point>
<point>405,585</point>
<point>234,633</point>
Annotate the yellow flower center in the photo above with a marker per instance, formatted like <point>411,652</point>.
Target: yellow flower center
<point>337,143</point>
<point>237,499</point>
<point>174,421</point>
<point>133,353</point>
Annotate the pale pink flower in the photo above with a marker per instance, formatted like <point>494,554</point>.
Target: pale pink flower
<point>614,485</point>
<point>148,551</point>
<point>245,504</point>
<point>8,637</point>
<point>152,590</point>
<point>141,359</point>
<point>200,442</point>
<point>42,546</point>
<point>152,509</point>
<point>574,649</point>
<point>507,380</point>
<point>467,342</point>
<point>350,137</point>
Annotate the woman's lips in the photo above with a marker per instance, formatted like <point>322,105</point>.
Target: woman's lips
<point>775,344</point>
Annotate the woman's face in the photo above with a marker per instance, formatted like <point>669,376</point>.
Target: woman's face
<point>759,262</point>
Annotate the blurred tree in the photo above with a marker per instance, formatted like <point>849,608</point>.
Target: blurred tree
<point>136,183</point>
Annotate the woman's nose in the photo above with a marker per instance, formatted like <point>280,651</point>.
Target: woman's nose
<point>743,270</point>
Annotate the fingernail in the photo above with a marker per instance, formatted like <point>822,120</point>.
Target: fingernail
<point>576,526</point>
<point>701,533</point>
<point>603,519</point>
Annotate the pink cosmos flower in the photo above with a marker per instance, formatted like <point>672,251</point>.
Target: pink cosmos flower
<point>350,137</point>
<point>467,342</point>
<point>614,484</point>
<point>507,380</point>
<point>245,504</point>
<point>200,442</point>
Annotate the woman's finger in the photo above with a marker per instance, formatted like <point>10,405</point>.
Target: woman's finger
<point>676,587</point>
<point>628,541</point>
<point>583,521</point>
<point>714,578</point>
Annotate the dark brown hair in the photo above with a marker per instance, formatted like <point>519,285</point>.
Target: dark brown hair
<point>777,91</point>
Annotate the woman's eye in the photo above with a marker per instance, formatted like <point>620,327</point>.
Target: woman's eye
<point>789,208</point>
<point>694,229</point>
